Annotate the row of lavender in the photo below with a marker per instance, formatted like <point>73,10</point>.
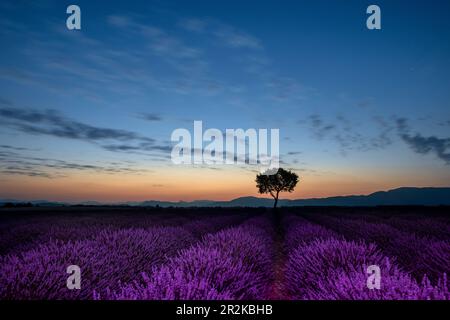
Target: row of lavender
<point>221,258</point>
<point>331,263</point>
<point>235,263</point>
<point>416,243</point>
<point>26,233</point>
<point>106,254</point>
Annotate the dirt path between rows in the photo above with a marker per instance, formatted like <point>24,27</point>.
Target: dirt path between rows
<point>278,289</point>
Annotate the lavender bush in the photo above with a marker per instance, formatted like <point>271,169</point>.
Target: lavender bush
<point>224,256</point>
<point>418,255</point>
<point>16,237</point>
<point>422,226</point>
<point>232,264</point>
<point>299,230</point>
<point>110,257</point>
<point>336,269</point>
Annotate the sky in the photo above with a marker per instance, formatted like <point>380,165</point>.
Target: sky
<point>88,114</point>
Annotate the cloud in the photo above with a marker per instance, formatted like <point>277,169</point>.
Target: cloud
<point>171,47</point>
<point>236,39</point>
<point>180,63</point>
<point>224,34</point>
<point>444,123</point>
<point>28,173</point>
<point>287,89</point>
<point>402,125</point>
<point>424,145</point>
<point>151,117</point>
<point>364,103</point>
<point>250,53</point>
<point>159,42</point>
<point>187,67</point>
<point>15,148</point>
<point>157,185</point>
<point>139,147</point>
<point>345,134</point>
<point>320,128</point>
<point>14,163</point>
<point>52,123</point>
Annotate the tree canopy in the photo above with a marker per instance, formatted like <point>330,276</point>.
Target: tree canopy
<point>282,181</point>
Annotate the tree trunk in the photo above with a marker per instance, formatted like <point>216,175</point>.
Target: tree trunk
<point>276,215</point>
<point>276,200</point>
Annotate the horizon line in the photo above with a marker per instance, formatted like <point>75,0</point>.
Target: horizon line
<point>212,200</point>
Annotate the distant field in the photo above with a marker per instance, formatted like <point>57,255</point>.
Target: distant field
<point>225,253</point>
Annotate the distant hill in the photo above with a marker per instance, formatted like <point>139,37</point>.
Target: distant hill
<point>400,196</point>
<point>42,203</point>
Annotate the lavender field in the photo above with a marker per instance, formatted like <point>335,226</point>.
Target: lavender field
<point>224,254</point>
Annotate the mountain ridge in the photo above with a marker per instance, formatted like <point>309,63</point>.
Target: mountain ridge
<point>428,196</point>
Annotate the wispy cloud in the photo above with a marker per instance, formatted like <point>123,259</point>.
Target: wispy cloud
<point>7,147</point>
<point>158,185</point>
<point>224,34</point>
<point>159,41</point>
<point>150,117</point>
<point>52,123</point>
<point>251,55</point>
<point>15,163</point>
<point>98,69</point>
<point>424,145</point>
<point>236,39</point>
<point>141,147</point>
<point>287,89</point>
<point>346,134</point>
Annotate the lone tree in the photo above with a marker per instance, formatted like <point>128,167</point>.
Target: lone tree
<point>283,180</point>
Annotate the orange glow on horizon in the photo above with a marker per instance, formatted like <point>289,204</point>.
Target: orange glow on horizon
<point>187,184</point>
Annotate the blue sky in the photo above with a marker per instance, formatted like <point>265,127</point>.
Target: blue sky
<point>356,108</point>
